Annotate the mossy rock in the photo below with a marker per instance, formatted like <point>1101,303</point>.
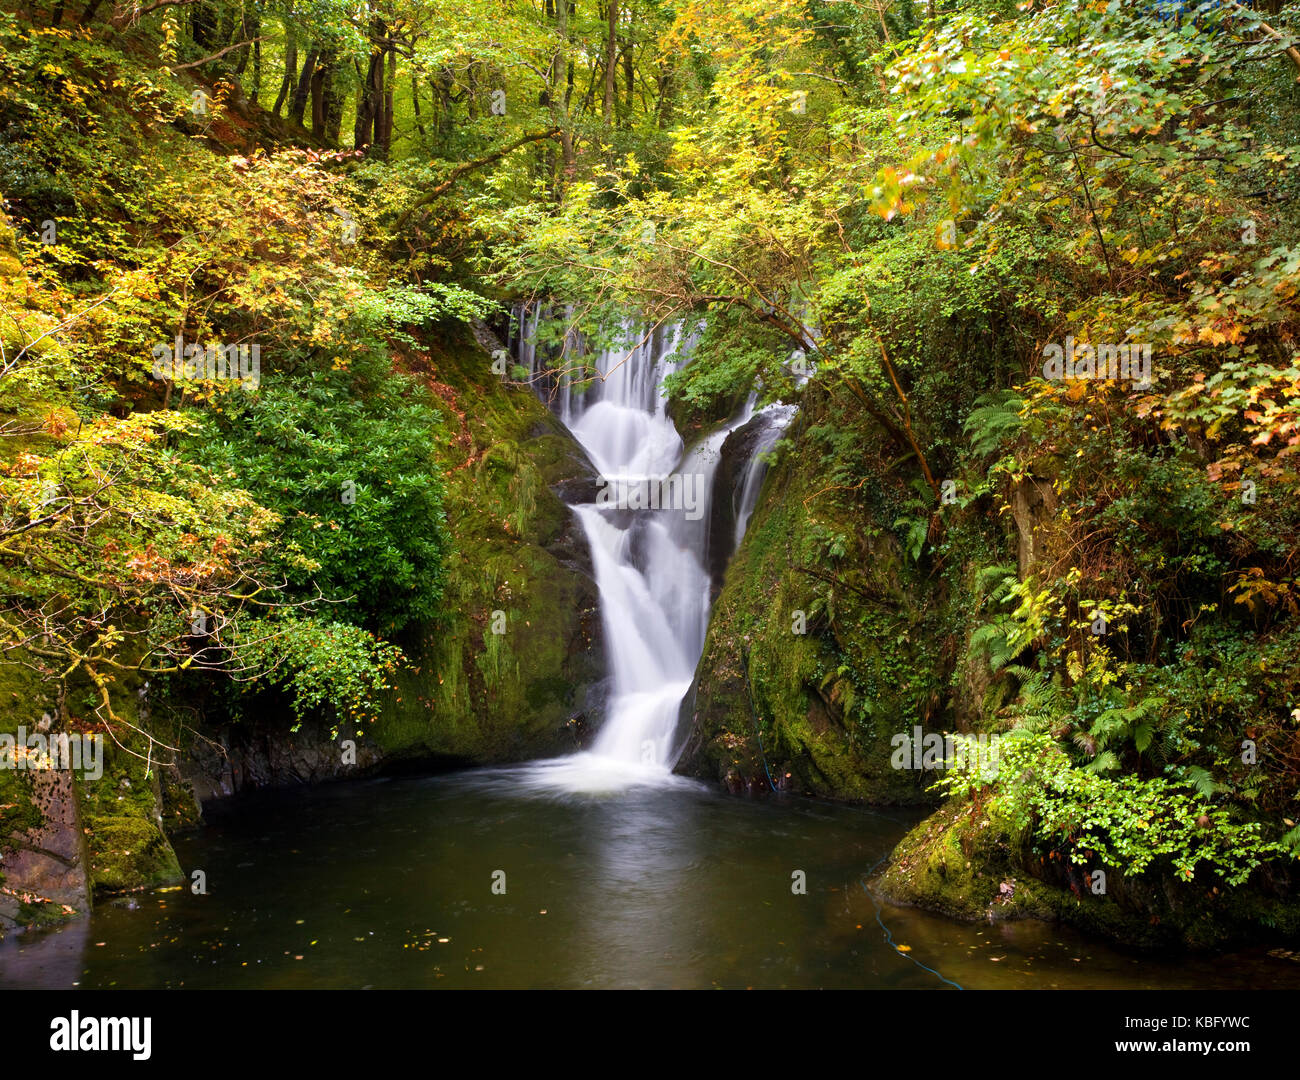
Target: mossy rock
<point>121,809</point>
<point>128,853</point>
<point>17,812</point>
<point>39,916</point>
<point>40,843</point>
<point>180,807</point>
<point>820,646</point>
<point>472,694</point>
<point>965,862</point>
<point>956,863</point>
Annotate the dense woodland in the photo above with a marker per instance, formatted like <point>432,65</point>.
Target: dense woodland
<point>916,205</point>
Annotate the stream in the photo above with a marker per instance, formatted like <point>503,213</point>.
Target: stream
<point>388,884</point>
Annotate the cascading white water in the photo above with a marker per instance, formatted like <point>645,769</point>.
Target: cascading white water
<point>778,418</point>
<point>648,560</point>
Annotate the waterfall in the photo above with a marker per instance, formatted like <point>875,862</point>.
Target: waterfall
<point>647,533</point>
<point>778,418</point>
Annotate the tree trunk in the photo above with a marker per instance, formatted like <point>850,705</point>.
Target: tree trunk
<point>298,103</point>
<point>247,29</point>
<point>333,95</point>
<point>318,79</point>
<point>561,67</point>
<point>257,69</point>
<point>290,68</point>
<point>611,62</point>
<point>203,25</point>
<point>446,107</point>
<point>415,103</point>
<point>363,125</point>
<point>665,103</point>
<point>629,71</point>
<point>369,127</point>
<point>385,136</point>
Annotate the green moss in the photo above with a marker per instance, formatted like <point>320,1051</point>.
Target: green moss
<point>957,861</point>
<point>22,702</point>
<point>120,810</point>
<point>471,693</point>
<point>17,814</point>
<point>827,702</point>
<point>42,915</point>
<point>130,853</point>
<point>180,809</point>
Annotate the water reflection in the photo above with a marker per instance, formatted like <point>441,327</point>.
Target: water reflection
<point>390,884</point>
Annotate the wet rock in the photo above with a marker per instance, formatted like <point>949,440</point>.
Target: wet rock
<point>735,456</point>
<point>45,867</point>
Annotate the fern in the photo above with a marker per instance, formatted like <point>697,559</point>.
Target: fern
<point>1172,741</point>
<point>996,581</point>
<point>995,420</point>
<point>995,639</point>
<point>1203,782</point>
<point>1041,705</point>
<point>1291,841</point>
<point>917,529</point>
<point>1134,723</point>
<point>1104,762</point>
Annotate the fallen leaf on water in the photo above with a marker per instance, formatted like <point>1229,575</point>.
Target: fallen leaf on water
<point>903,948</point>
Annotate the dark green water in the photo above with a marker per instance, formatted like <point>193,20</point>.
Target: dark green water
<point>389,884</point>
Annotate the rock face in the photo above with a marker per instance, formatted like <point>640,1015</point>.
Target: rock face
<point>828,641</point>
<point>515,667</point>
<point>68,835</point>
<point>44,866</point>
<point>965,862</point>
<point>248,757</point>
<point>821,646</point>
<point>1032,504</point>
<point>733,461</point>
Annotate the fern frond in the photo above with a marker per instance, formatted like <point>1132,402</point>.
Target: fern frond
<point>994,421</point>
